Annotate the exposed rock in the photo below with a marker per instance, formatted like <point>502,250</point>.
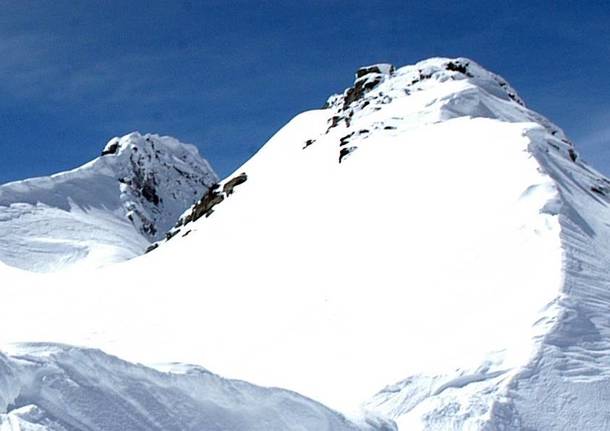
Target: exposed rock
<point>172,233</point>
<point>334,122</point>
<point>159,178</point>
<point>206,204</point>
<point>598,190</point>
<point>234,182</point>
<point>345,140</point>
<point>457,66</point>
<point>345,151</point>
<point>572,154</point>
<point>509,92</point>
<point>360,88</point>
<point>309,142</point>
<point>111,148</point>
<point>150,194</point>
<point>421,77</point>
<point>375,68</point>
<point>152,247</point>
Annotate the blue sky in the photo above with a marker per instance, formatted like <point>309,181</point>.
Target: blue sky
<point>225,75</point>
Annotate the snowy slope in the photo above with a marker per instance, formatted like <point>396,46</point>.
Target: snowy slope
<point>59,388</point>
<point>105,211</point>
<point>426,248</point>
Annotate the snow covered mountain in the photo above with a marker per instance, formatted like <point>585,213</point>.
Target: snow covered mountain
<point>107,210</point>
<point>425,251</point>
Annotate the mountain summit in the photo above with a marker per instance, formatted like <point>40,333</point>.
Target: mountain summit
<point>425,252</point>
<point>105,211</point>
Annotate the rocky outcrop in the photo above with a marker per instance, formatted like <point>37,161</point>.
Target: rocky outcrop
<point>234,182</point>
<point>380,84</point>
<point>111,148</point>
<point>159,177</point>
<point>367,78</point>
<point>204,207</point>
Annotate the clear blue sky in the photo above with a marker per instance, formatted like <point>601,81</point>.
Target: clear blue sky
<point>225,75</point>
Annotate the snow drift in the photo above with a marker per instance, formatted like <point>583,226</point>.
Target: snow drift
<point>425,248</point>
<point>58,388</point>
<point>107,210</point>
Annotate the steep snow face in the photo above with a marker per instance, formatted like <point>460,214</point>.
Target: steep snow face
<point>425,247</point>
<point>60,388</point>
<point>107,210</point>
<point>567,384</point>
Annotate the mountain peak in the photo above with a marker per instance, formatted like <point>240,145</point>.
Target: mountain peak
<point>160,177</point>
<point>422,75</point>
<point>136,140</point>
<point>430,91</point>
<point>106,210</point>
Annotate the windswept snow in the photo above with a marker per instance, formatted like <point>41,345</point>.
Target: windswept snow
<point>426,249</point>
<point>105,211</point>
<point>60,388</point>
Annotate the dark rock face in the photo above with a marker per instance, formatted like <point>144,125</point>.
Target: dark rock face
<point>367,78</point>
<point>345,151</point>
<point>308,143</point>
<point>598,190</point>
<point>233,182</point>
<point>345,140</point>
<point>375,68</point>
<point>572,154</point>
<point>111,149</point>
<point>142,180</point>
<point>152,247</point>
<point>207,203</point>
<point>361,86</point>
<point>159,178</point>
<point>355,99</point>
<point>213,197</point>
<point>334,122</point>
<point>509,93</point>
<point>601,187</point>
<point>366,70</point>
<point>457,66</point>
<point>204,207</point>
<point>150,194</point>
<point>172,233</point>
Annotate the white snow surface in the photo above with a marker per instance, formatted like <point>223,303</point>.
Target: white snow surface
<point>105,211</point>
<point>448,274</point>
<point>59,388</point>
